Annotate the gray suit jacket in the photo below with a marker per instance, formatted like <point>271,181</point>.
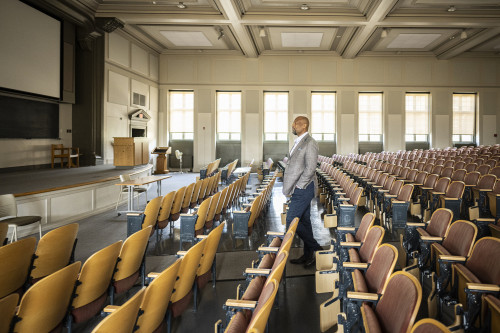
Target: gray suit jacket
<point>301,165</point>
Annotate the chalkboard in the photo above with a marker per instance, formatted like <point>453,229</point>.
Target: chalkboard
<point>28,119</point>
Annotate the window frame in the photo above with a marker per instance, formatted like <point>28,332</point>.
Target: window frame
<point>184,135</point>
<point>230,135</point>
<point>277,135</point>
<point>474,122</point>
<point>415,136</point>
<point>320,136</point>
<point>371,137</point>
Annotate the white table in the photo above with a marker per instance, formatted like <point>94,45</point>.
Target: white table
<point>139,182</point>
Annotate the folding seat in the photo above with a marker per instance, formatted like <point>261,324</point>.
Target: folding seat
<point>358,252</point>
<point>15,263</point>
<point>420,166</point>
<point>494,200</point>
<point>122,320</point>
<point>446,172</point>
<point>131,263</point>
<point>324,259</point>
<point>428,167</point>
<point>242,321</point>
<point>468,160</point>
<point>184,195</point>
<point>372,280</point>
<point>209,222</point>
<point>54,251</point>
<point>480,193</point>
<point>483,169</point>
<point>165,209</point>
<point>392,193</point>
<point>396,208</point>
<point>451,199</point>
<point>440,162</point>
<point>439,187</point>
<point>449,164</point>
<point>471,179</point>
<point>4,228</point>
<point>396,171</point>
<point>458,175</point>
<point>93,284</point>
<point>8,306</point>
<point>395,310</point>
<point>378,192</point>
<point>220,205</point>
<point>196,194</point>
<point>208,262</point>
<point>151,214</point>
<point>495,171</point>
<point>194,224</point>
<point>44,306</point>
<point>183,288</point>
<point>437,227</point>
<point>429,325</point>
<point>492,322</point>
<point>203,190</point>
<point>154,305</point>
<point>412,175</point>
<point>344,212</point>
<point>475,277</point>
<point>437,169</point>
<point>471,167</point>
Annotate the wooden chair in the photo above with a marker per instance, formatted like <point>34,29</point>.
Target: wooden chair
<point>8,214</point>
<point>123,319</point>
<point>493,314</point>
<point>156,299</point>
<point>44,306</point>
<point>15,263</point>
<point>207,262</point>
<point>68,153</point>
<point>429,325</point>
<point>151,213</point>
<point>8,306</point>
<point>93,284</point>
<point>131,263</point>
<point>165,209</point>
<point>54,251</point>
<point>187,193</point>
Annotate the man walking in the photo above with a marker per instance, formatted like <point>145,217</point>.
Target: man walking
<point>298,183</point>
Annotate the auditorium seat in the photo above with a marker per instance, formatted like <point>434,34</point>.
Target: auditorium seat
<point>183,288</point>
<point>470,181</point>
<point>492,322</point>
<point>471,167</point>
<point>220,205</point>
<point>209,222</point>
<point>372,280</point>
<point>439,187</point>
<point>396,208</point>
<point>196,194</point>
<point>208,262</point>
<point>244,220</point>
<point>131,263</point>
<point>451,199</point>
<point>185,200</point>
<point>44,306</point>
<point>93,284</point>
<point>458,175</point>
<point>495,171</point>
<point>15,263</point>
<point>156,299</point>
<point>480,193</point>
<point>483,169</point>
<point>395,311</point>
<point>203,189</point>
<point>194,224</point>
<point>8,306</point>
<point>459,165</point>
<point>494,199</point>
<point>165,209</point>
<point>4,228</point>
<point>429,325</point>
<point>480,275</point>
<point>257,322</point>
<point>123,319</point>
<point>151,213</point>
<point>8,214</point>
<point>54,251</point>
<point>446,172</point>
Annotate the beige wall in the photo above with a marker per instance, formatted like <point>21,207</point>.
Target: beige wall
<point>129,68</point>
<point>300,75</point>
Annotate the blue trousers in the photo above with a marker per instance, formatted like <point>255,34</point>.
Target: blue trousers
<point>300,206</point>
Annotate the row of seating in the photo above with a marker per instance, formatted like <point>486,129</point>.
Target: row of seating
<point>250,310</point>
<point>209,169</point>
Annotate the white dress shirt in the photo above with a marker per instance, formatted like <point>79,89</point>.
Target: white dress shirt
<point>297,142</point>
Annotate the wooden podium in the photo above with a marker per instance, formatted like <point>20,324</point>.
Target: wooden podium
<point>161,160</point>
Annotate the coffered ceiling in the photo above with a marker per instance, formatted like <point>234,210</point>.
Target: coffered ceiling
<point>346,28</point>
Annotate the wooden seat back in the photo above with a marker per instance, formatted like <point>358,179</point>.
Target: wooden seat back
<point>15,263</point>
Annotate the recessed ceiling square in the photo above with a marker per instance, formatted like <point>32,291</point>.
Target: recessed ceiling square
<point>412,41</point>
<point>187,38</point>
<point>301,39</point>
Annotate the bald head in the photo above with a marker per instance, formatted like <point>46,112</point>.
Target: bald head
<point>300,125</point>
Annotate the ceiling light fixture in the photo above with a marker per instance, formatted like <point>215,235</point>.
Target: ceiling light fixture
<point>384,33</point>
<point>463,35</point>
<point>262,32</point>
<point>221,34</point>
<point>452,9</point>
<point>181,5</point>
<point>304,7</point>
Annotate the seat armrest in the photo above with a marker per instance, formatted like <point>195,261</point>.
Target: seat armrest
<point>343,199</point>
<point>181,253</point>
<point>416,224</point>
<point>247,205</point>
<point>202,236</point>
<point>452,199</point>
<point>258,271</point>
<point>346,229</point>
<point>355,265</point>
<point>485,219</point>
<point>390,196</point>
<point>383,191</point>
<point>240,304</point>
<point>345,205</point>
<point>485,190</point>
<point>480,287</point>
<point>437,193</point>
<point>431,239</point>
<point>370,297</point>
<point>470,185</point>
<point>350,244</point>
<point>427,188</point>
<point>268,249</point>
<point>110,308</point>
<point>275,233</point>
<point>187,214</point>
<point>445,257</point>
<point>239,212</point>
<point>134,214</point>
<point>399,201</point>
<point>415,184</point>
<point>153,275</point>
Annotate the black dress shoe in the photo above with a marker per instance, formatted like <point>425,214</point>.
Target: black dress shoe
<point>299,260</point>
<point>310,261</point>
